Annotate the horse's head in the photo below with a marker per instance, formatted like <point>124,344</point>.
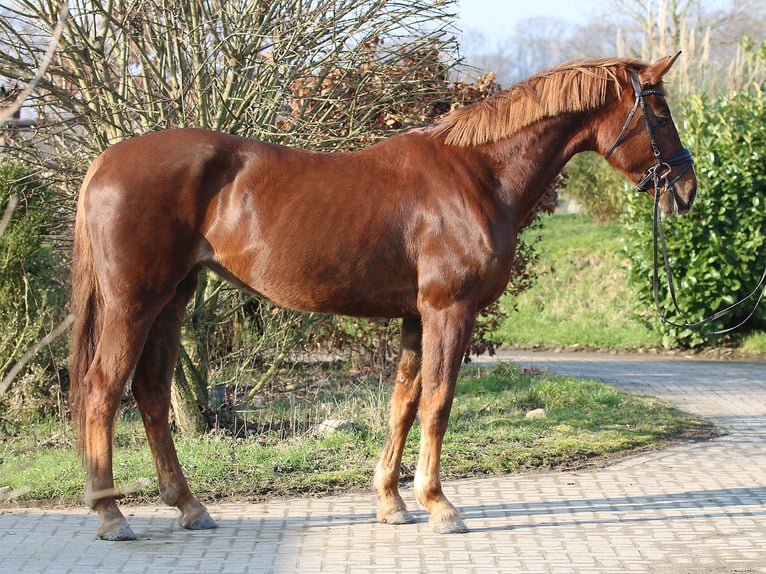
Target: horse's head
<point>641,140</point>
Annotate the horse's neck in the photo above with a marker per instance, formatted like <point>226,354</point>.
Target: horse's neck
<point>529,161</point>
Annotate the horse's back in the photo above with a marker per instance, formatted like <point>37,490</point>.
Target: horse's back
<point>145,200</point>
<point>170,156</point>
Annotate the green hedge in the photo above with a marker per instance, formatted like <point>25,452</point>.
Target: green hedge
<point>32,295</point>
<point>597,186</point>
<point>717,250</point>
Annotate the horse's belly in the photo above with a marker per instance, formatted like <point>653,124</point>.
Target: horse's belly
<point>323,285</point>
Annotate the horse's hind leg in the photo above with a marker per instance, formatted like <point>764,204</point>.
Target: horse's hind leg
<point>151,388</point>
<point>404,407</point>
<point>116,353</point>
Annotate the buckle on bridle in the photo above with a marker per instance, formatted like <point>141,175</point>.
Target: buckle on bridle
<point>680,157</point>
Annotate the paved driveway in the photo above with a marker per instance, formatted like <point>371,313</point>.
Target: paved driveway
<point>697,507</point>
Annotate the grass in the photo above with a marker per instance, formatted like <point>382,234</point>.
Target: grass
<point>753,345</point>
<point>581,298</point>
<point>488,434</point>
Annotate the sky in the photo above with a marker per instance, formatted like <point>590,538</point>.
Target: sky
<point>496,18</point>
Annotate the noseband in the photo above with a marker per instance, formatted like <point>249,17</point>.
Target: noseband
<point>662,168</point>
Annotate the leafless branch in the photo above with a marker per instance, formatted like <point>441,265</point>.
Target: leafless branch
<point>13,200</point>
<point>33,350</point>
<point>9,111</point>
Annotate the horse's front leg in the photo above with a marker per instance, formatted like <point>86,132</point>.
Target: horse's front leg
<point>404,407</point>
<point>446,333</point>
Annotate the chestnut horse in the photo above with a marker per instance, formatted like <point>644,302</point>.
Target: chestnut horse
<point>420,226</point>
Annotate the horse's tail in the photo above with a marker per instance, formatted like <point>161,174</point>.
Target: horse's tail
<point>86,306</point>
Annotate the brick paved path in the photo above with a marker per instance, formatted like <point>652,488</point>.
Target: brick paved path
<point>690,508</point>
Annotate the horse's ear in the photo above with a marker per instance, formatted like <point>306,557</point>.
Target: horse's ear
<point>652,75</point>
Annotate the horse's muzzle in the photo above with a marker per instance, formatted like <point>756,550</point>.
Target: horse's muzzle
<point>674,202</point>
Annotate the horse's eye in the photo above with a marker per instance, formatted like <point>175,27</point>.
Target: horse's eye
<point>663,120</point>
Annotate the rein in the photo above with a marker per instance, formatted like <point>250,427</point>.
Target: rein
<point>659,240</point>
<point>657,174</point>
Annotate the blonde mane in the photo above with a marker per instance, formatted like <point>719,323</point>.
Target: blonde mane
<point>570,87</point>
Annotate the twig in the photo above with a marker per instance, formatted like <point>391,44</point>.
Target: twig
<point>266,376</point>
<point>13,200</point>
<point>32,351</point>
<point>26,92</point>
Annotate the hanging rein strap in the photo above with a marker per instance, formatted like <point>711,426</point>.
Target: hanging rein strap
<point>659,240</point>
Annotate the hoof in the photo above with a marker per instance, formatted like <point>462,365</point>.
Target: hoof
<point>117,534</point>
<point>202,522</point>
<point>452,525</point>
<point>398,517</point>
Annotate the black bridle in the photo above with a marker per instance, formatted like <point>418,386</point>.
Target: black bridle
<point>662,167</point>
<point>659,175</point>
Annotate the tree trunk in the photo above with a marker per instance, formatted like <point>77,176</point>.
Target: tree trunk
<point>184,402</point>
